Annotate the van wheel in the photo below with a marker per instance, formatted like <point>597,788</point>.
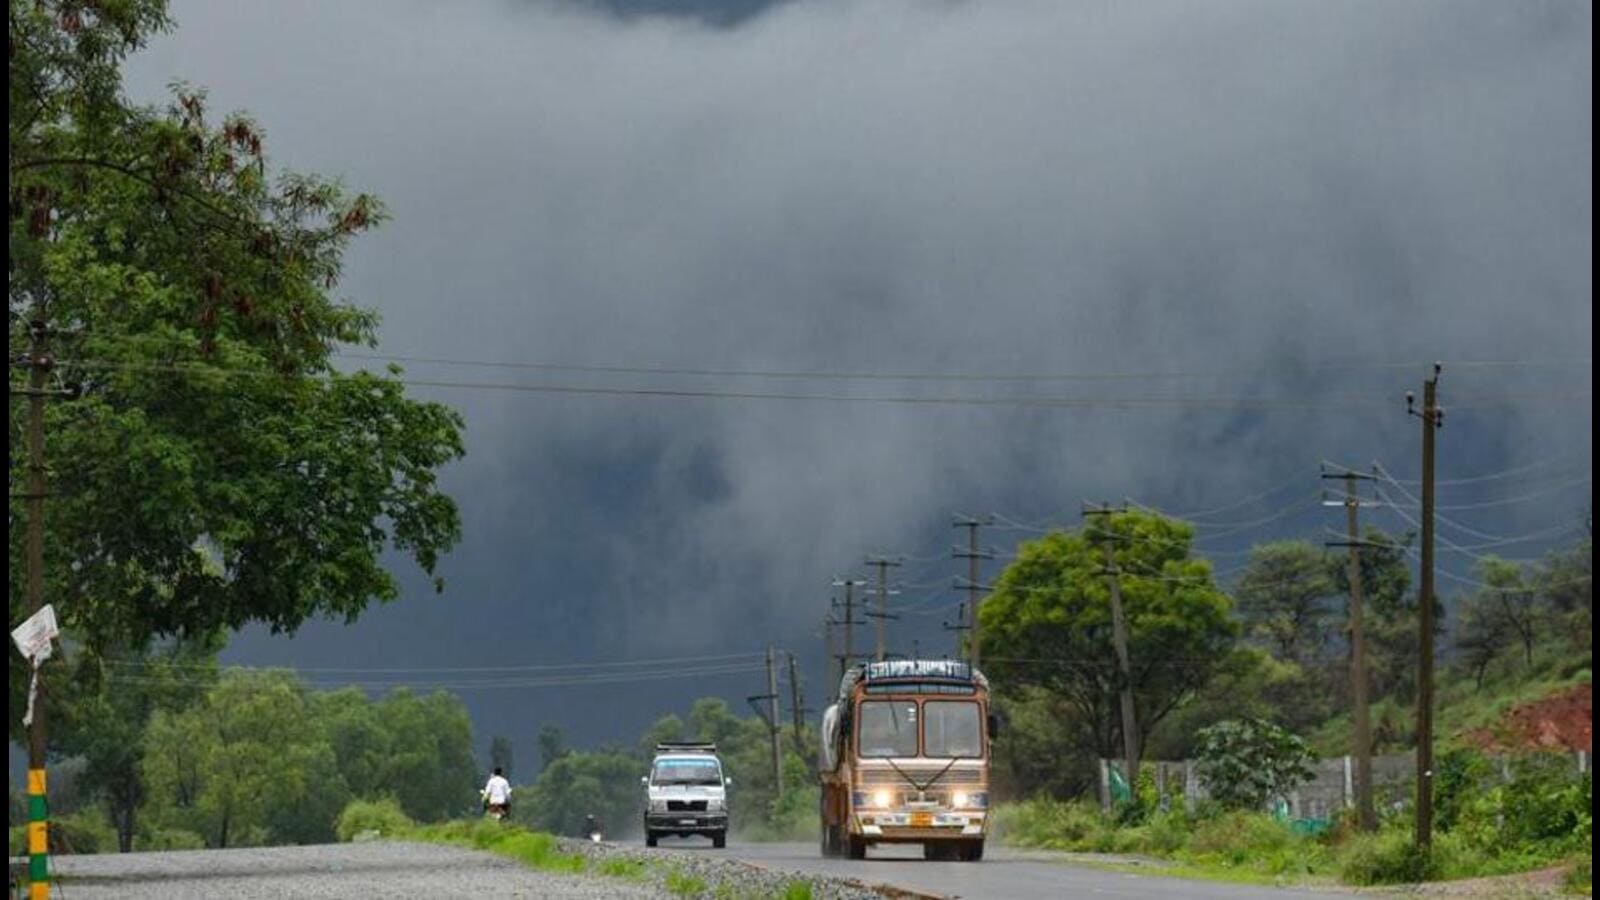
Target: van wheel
<point>719,840</point>
<point>649,839</point>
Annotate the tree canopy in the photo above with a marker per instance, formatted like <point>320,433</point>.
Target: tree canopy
<point>1048,623</point>
<point>216,468</point>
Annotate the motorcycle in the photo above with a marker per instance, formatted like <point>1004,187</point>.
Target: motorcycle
<point>591,830</point>
<point>495,812</point>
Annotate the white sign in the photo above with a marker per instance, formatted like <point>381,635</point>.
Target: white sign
<point>33,637</point>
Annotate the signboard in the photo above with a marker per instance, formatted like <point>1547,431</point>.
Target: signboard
<point>33,637</point>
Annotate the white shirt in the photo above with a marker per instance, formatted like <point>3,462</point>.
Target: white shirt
<point>498,790</point>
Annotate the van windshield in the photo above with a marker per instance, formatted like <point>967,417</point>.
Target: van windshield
<point>686,771</point>
<point>889,728</point>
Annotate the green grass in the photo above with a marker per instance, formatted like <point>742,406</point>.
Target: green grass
<point>541,851</point>
<point>682,884</point>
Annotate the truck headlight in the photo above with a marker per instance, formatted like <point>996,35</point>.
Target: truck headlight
<point>881,799</point>
<point>959,799</point>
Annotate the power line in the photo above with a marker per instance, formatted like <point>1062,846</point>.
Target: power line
<point>718,658</point>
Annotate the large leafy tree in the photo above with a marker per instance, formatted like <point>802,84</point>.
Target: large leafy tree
<point>107,706</point>
<point>240,761</point>
<point>1286,597</point>
<point>216,469</point>
<point>1048,624</point>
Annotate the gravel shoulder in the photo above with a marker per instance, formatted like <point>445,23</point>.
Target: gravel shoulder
<point>380,869</point>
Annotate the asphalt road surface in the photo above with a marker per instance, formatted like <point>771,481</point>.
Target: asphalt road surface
<point>1004,874</point>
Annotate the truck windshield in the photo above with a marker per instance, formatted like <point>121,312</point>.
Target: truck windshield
<point>889,728</point>
<point>686,771</point>
<point>951,729</point>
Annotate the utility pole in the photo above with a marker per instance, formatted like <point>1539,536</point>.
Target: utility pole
<point>974,589</point>
<point>1107,537</point>
<point>1432,419</point>
<point>39,363</point>
<point>849,623</point>
<point>1366,813</point>
<point>959,627</point>
<point>883,563</point>
<point>829,623</point>
<point>772,725</point>
<point>798,705</point>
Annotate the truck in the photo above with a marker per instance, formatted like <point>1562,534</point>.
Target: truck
<point>905,759</point>
<point>686,793</point>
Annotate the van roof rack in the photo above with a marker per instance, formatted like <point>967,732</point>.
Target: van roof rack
<point>686,747</point>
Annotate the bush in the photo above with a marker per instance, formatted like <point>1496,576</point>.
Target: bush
<point>168,839</point>
<point>1237,837</point>
<point>382,815</point>
<point>1391,857</point>
<point>1246,762</point>
<point>85,831</point>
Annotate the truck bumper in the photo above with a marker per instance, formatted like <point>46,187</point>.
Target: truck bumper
<point>686,822</point>
<point>891,828</point>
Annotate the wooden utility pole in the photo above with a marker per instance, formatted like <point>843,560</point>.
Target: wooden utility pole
<point>799,710</point>
<point>973,587</point>
<point>1366,813</point>
<point>882,615</point>
<point>1432,418</point>
<point>772,724</point>
<point>1107,537</point>
<point>849,623</point>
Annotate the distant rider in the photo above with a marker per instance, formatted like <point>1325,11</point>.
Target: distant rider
<point>497,793</point>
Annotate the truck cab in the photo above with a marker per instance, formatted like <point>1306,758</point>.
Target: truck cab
<point>905,760</point>
<point>686,793</point>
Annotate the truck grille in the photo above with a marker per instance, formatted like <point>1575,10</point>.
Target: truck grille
<point>686,806</point>
<point>891,777</point>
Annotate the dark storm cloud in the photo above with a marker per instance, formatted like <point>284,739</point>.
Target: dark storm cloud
<point>914,187</point>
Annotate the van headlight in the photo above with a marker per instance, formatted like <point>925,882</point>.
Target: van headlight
<point>658,805</point>
<point>714,804</point>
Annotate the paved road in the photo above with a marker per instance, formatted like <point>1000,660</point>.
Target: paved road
<point>1004,874</point>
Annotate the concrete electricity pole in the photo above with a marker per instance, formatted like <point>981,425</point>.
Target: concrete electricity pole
<point>1366,813</point>
<point>1432,419</point>
<point>1107,537</point>
<point>882,615</point>
<point>973,587</point>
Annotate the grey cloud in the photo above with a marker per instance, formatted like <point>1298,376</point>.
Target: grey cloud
<point>904,186</point>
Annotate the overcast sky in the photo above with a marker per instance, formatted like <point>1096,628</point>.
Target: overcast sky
<point>1280,199</point>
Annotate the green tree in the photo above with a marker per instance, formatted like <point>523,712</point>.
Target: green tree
<point>1286,597</point>
<point>217,469</point>
<point>552,744</point>
<point>429,766</point>
<point>1048,624</point>
<point>576,785</point>
<point>101,710</point>
<point>228,765</point>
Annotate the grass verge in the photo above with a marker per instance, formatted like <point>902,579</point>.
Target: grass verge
<point>541,851</point>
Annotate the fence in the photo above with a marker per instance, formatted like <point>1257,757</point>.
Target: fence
<point>1331,788</point>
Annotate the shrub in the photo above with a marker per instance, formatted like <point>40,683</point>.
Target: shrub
<point>1579,878</point>
<point>168,839</point>
<point>85,831</point>
<point>1245,762</point>
<point>1237,837</point>
<point>1391,857</point>
<point>382,815</point>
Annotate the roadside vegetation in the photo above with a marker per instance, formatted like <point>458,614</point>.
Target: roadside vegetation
<point>1514,701</point>
<point>540,850</point>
